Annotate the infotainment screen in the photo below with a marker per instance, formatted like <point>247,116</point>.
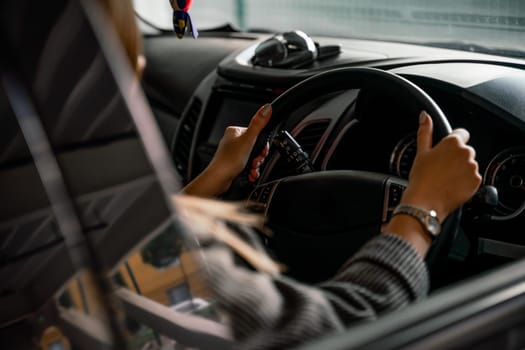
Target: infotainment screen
<point>232,112</point>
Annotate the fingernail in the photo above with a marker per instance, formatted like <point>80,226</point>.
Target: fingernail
<point>422,117</point>
<point>267,109</point>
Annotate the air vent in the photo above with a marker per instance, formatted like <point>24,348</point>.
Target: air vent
<point>184,138</point>
<point>310,135</point>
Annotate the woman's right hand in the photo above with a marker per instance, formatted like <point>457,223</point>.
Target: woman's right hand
<point>231,157</point>
<point>442,177</point>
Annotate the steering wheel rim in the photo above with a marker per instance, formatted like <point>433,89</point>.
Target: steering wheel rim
<point>370,78</point>
<point>356,78</point>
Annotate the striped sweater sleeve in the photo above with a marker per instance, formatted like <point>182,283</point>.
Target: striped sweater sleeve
<point>268,312</point>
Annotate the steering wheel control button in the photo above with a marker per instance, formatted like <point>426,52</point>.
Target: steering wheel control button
<point>265,194</point>
<point>292,152</point>
<point>262,195</point>
<point>254,196</point>
<point>427,218</point>
<point>393,194</point>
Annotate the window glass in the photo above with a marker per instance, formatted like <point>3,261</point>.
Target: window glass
<point>473,25</point>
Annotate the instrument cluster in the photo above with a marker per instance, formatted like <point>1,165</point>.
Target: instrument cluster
<point>505,171</point>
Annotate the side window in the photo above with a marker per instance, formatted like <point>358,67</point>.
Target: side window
<point>165,271</point>
<point>92,245</point>
<point>157,272</point>
<point>179,294</point>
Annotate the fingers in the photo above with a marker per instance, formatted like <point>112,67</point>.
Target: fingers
<point>460,137</point>
<point>260,158</point>
<point>259,121</point>
<point>257,162</point>
<point>232,132</point>
<point>424,134</point>
<point>254,175</point>
<point>462,134</point>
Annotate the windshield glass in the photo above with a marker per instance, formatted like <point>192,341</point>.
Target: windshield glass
<point>474,25</point>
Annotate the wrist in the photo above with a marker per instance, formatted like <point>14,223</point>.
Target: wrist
<point>221,172</point>
<point>424,202</point>
<point>409,229</point>
<point>209,183</point>
<point>427,218</point>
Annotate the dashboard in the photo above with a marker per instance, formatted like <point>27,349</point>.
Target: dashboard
<point>369,131</point>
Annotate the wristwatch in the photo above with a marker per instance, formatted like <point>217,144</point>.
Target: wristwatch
<point>427,218</point>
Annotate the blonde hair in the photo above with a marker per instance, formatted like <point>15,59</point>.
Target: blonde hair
<point>122,14</point>
<point>209,217</point>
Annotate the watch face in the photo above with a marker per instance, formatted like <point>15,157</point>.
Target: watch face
<point>433,225</point>
<point>428,219</point>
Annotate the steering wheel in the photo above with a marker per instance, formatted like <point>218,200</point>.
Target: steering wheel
<point>320,219</point>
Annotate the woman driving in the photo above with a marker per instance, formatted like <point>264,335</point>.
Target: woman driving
<point>273,311</point>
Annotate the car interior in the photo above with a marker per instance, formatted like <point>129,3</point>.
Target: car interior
<point>369,128</point>
<point>343,139</point>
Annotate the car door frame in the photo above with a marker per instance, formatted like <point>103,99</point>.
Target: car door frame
<point>467,313</point>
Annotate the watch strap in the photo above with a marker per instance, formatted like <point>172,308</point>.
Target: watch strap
<point>427,218</point>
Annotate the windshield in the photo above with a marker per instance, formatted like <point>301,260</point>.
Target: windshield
<point>474,25</point>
